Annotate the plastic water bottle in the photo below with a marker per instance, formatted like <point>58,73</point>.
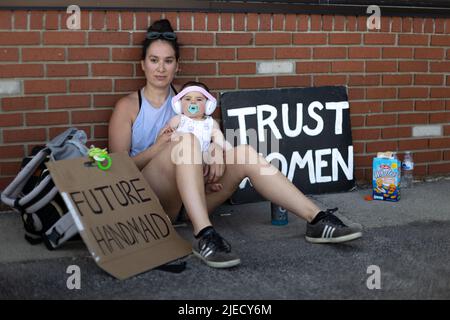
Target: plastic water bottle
<point>279,215</point>
<point>407,170</point>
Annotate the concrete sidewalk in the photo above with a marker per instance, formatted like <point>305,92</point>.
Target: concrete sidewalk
<point>409,241</point>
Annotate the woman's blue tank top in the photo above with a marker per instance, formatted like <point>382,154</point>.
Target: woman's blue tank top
<point>149,122</point>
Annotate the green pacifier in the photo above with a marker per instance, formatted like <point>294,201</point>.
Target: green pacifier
<point>193,108</point>
<point>100,155</point>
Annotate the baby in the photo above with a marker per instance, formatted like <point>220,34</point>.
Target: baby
<point>194,106</point>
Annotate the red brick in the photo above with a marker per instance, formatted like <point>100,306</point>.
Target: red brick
<point>95,38</point>
<point>278,22</point>
<point>279,38</point>
<point>291,22</point>
<point>357,121</point>
<point>440,117</point>
<point>339,23</point>
<point>439,143</point>
<point>439,25</point>
<point>398,105</point>
<point>237,68</point>
<point>126,20</point>
<point>350,23</point>
<point>379,38</point>
<point>364,52</point>
<point>87,54</point>
<point>440,40</point>
<point>355,80</point>
<point>67,70</point>
<point>215,54</point>
<point>428,79</point>
<point>197,68</point>
<point>344,38</point>
<point>365,107</point>
<point>309,38</point>
<point>44,86</point>
<point>69,101</point>
<point>200,21</point>
<point>293,81</point>
<point>185,19</point>
<point>414,144</point>
<point>427,156</point>
<point>443,66</point>
<point>43,54</point>
<point>127,85</point>
<point>90,85</point>
<point>439,168</point>
<point>6,19</point>
<point>446,155</point>
<point>347,66</point>
<point>23,103</point>
<point>141,21</point>
<point>187,54</point>
<point>356,94</point>
<point>96,116</point>
<point>329,80</point>
<point>112,20</point>
<point>396,24</point>
<point>256,82</point>
<point>381,93</point>
<point>440,92</point>
<point>428,25</point>
<point>413,118</point>
<point>397,79</point>
<point>292,53</point>
<point>429,53</point>
<point>101,132</point>
<point>329,53</point>
<point>20,20</point>
<point>239,22</point>
<point>11,120</point>
<point>9,54</point>
<point>254,53</point>
<point>413,39</point>
<point>430,105</point>
<point>415,92</point>
<point>378,146</point>
<point>213,21</point>
<point>316,22</point>
<point>381,66</point>
<point>64,37</point>
<point>365,134</point>
<point>227,39</point>
<point>418,25</point>
<point>381,120</point>
<point>406,24</point>
<point>313,67</point>
<point>265,23</point>
<point>9,168</point>
<point>46,118</point>
<point>406,53</point>
<point>327,23</point>
<point>220,82</point>
<point>107,100</point>
<point>23,135</point>
<point>413,66</point>
<point>11,152</point>
<point>396,132</point>
<point>19,38</point>
<point>21,70</point>
<point>126,54</point>
<point>112,69</point>
<point>302,22</point>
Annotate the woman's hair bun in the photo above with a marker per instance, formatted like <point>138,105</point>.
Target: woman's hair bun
<point>162,25</point>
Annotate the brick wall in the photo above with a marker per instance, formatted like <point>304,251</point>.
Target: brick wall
<point>398,77</point>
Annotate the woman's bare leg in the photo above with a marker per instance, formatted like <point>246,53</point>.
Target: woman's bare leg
<point>243,161</point>
<point>178,180</point>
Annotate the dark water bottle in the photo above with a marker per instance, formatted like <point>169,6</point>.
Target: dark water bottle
<point>279,215</point>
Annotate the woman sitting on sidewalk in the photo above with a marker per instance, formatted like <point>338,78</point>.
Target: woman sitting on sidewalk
<point>139,126</point>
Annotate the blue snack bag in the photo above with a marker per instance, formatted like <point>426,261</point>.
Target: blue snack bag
<point>386,177</point>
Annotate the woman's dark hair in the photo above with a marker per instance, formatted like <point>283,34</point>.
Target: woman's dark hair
<point>160,30</point>
<point>195,83</point>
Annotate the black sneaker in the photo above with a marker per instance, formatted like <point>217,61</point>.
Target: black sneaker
<point>330,229</point>
<point>215,251</point>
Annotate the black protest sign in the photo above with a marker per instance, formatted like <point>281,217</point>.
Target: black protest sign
<point>118,216</point>
<point>305,132</point>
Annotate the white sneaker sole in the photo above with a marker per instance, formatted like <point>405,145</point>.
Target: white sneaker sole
<point>348,237</point>
<point>218,265</point>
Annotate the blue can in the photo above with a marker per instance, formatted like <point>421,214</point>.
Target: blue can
<point>279,215</point>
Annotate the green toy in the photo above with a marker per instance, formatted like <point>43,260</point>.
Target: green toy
<point>100,155</point>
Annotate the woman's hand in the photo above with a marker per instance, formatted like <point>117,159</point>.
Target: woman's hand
<point>215,166</point>
<point>164,136</point>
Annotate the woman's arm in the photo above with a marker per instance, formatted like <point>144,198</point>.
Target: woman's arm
<point>120,127</point>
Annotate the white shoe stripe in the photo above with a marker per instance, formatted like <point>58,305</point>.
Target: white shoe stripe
<point>331,233</point>
<point>324,231</point>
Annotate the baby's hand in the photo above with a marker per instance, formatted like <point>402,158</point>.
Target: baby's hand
<point>213,187</point>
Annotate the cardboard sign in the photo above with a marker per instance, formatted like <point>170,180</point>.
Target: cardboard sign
<point>305,132</point>
<point>118,216</point>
